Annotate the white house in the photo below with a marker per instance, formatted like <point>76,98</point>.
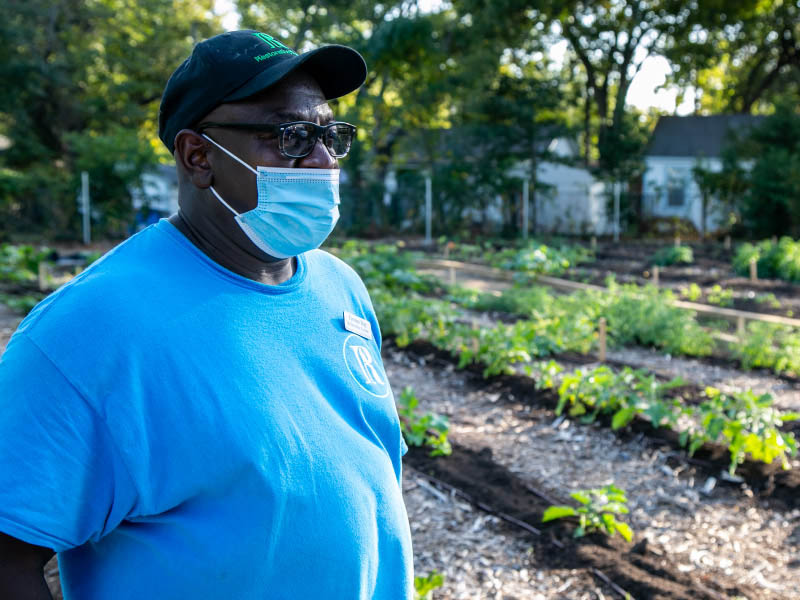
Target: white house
<point>679,144</point>
<point>157,190</point>
<point>576,201</point>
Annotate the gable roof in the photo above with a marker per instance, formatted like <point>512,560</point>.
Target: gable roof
<point>697,136</point>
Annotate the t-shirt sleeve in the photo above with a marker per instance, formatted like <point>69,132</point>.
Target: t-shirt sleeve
<point>62,480</point>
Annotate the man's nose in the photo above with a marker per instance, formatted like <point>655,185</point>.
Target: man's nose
<point>319,158</point>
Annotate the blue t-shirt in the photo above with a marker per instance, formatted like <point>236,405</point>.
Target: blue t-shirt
<point>174,430</point>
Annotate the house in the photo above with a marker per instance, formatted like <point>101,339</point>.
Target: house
<point>156,195</point>
<point>678,145</point>
<point>574,201</point>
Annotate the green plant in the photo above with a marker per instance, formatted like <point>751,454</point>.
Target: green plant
<point>597,512</point>
<point>693,293</point>
<point>21,263</point>
<point>424,586</point>
<point>21,304</point>
<point>774,260</point>
<point>746,423</point>
<point>720,297</point>
<point>673,255</point>
<point>771,346</point>
<point>427,429</point>
<point>768,299</point>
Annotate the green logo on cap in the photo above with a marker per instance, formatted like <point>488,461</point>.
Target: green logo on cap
<point>269,40</point>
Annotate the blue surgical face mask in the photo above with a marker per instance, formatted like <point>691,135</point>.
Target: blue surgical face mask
<point>297,208</point>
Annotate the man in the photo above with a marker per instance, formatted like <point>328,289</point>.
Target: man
<point>204,413</point>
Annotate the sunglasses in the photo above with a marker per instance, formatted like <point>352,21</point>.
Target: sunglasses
<point>298,138</point>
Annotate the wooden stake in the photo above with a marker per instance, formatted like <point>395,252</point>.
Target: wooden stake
<point>774,240</point>
<point>656,273</point>
<point>740,328</point>
<point>602,339</point>
<point>678,240</point>
<point>452,272</point>
<point>753,269</point>
<point>727,242</point>
<point>42,276</point>
<point>447,250</point>
<point>593,242</point>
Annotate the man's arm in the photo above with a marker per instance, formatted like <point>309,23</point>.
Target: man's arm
<point>22,570</point>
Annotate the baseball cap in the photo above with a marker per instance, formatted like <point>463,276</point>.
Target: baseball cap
<point>237,64</point>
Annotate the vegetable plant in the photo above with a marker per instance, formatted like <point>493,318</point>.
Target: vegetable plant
<point>427,429</point>
<point>424,586</point>
<point>673,255</point>
<point>597,511</point>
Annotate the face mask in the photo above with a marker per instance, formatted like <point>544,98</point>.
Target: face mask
<point>297,208</point>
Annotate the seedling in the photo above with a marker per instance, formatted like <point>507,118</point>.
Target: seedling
<point>597,512</point>
<point>424,586</point>
<point>427,429</point>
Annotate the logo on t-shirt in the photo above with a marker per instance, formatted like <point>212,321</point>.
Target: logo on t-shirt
<point>365,366</point>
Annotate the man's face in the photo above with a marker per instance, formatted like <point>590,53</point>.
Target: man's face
<point>298,98</point>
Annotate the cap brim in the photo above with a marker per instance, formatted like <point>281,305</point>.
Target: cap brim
<point>338,70</point>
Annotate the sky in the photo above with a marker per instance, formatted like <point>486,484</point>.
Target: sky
<point>642,93</point>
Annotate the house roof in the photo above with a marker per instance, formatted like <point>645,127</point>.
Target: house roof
<point>697,136</point>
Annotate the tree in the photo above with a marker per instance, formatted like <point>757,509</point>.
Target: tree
<point>87,79</point>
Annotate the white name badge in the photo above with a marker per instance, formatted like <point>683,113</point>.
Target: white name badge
<point>357,325</point>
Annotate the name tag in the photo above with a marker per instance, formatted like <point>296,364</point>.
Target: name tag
<point>357,325</point>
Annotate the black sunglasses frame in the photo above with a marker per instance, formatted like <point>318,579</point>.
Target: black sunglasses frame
<point>319,131</point>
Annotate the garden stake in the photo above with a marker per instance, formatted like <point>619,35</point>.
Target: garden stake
<point>452,276</point>
<point>602,340</point>
<point>678,241</point>
<point>656,272</point>
<point>740,329</point>
<point>753,269</point>
<point>42,276</point>
<point>594,242</point>
<point>727,242</point>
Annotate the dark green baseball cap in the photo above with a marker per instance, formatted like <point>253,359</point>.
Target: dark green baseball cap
<point>237,64</point>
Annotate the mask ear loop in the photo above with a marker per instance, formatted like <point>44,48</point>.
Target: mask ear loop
<point>234,157</point>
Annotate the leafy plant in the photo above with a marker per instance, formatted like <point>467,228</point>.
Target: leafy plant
<point>779,260</point>
<point>424,586</point>
<point>746,423</point>
<point>771,346</point>
<point>720,297</point>
<point>21,263</point>
<point>693,293</point>
<point>427,429</point>
<point>21,304</point>
<point>673,255</point>
<point>598,511</point>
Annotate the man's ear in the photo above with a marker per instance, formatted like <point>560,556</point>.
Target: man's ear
<point>191,152</point>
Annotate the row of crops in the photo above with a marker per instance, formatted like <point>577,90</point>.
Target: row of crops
<point>775,258</point>
<point>539,324</point>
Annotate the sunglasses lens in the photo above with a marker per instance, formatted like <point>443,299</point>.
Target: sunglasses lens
<point>298,139</point>
<point>338,139</point>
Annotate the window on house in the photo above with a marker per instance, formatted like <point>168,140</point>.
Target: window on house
<point>676,187</point>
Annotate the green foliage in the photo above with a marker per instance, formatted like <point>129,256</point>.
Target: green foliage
<point>21,263</point>
<point>770,346</point>
<point>693,293</point>
<point>780,261</point>
<point>746,423</point>
<point>673,255</point>
<point>719,296</point>
<point>424,586</point>
<point>87,80</point>
<point>540,259</point>
<point>597,511</point>
<point>427,429</point>
<point>622,396</point>
<point>21,304</point>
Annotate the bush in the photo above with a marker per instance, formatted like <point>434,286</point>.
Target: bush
<point>774,261</point>
<point>673,255</point>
